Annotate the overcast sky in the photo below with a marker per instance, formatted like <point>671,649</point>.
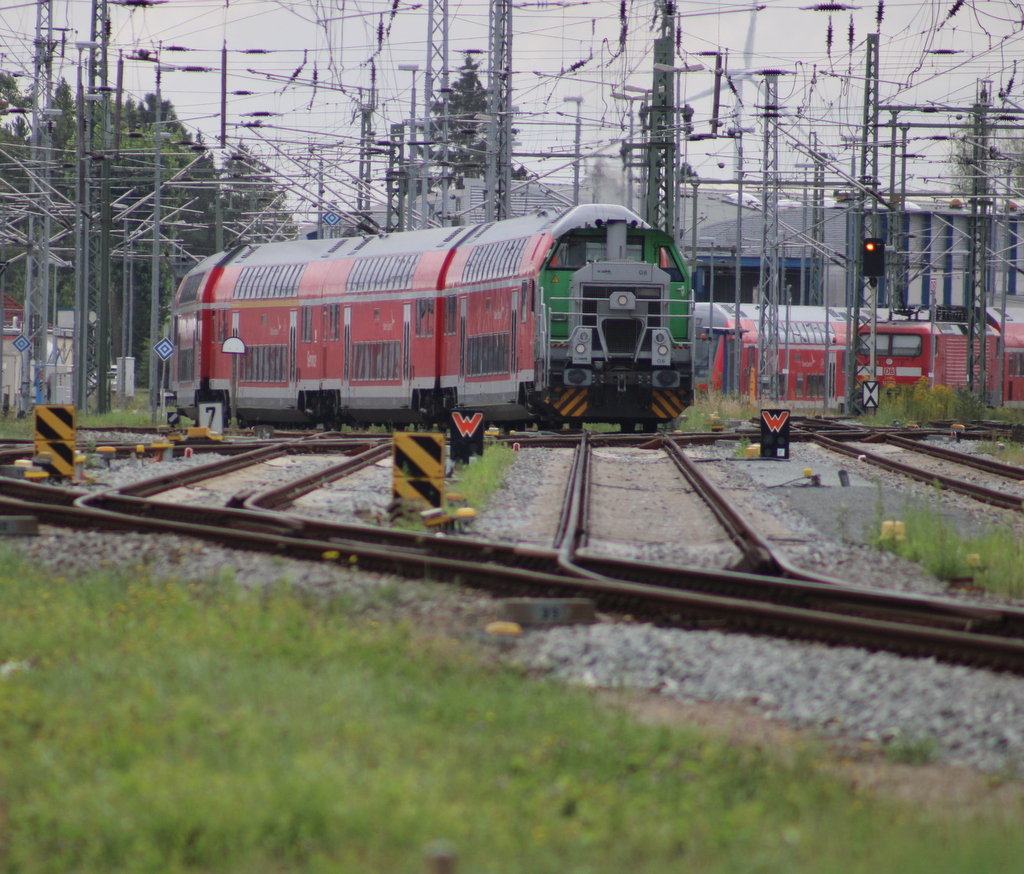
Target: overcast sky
<point>930,52</point>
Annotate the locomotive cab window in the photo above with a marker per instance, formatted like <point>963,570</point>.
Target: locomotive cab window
<point>576,252</point>
<point>895,345</point>
<point>906,345</point>
<point>667,262</point>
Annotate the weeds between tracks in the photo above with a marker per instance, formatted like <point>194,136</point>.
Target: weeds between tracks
<point>161,726</point>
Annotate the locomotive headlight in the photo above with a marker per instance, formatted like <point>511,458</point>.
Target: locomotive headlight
<point>581,345</point>
<point>661,349</point>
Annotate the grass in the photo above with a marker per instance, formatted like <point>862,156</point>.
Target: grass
<point>706,404</point>
<point>136,414</point>
<point>478,481</point>
<point>922,403</point>
<point>153,726</point>
<point>1006,452</point>
<point>994,561</point>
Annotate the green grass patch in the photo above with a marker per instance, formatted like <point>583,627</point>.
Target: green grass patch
<point>995,560</point>
<point>478,481</point>
<point>923,403</point>
<point>724,406</point>
<point>135,415</point>
<point>1009,453</point>
<point>164,727</point>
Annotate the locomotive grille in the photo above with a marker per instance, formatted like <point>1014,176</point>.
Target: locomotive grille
<point>621,335</point>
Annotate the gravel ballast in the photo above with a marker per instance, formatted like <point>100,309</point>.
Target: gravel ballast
<point>967,716</point>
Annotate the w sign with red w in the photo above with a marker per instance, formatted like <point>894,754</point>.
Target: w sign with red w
<point>775,433</point>
<point>466,435</point>
<point>467,424</point>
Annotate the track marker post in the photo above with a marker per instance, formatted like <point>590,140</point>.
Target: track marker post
<point>418,460</point>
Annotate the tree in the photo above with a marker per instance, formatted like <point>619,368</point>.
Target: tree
<point>467,137</point>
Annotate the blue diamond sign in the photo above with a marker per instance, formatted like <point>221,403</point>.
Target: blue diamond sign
<point>165,349</point>
<point>21,342</point>
<point>331,218</point>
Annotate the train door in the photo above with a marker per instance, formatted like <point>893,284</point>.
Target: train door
<point>406,337</point>
<point>325,326</point>
<point>293,352</point>
<point>346,376</point>
<point>462,349</point>
<point>833,364</point>
<point>514,337</point>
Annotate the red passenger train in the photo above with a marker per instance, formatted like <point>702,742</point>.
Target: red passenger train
<point>576,316</point>
<point>812,352</point>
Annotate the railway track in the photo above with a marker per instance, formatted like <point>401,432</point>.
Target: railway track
<point>776,599</point>
<point>984,494</point>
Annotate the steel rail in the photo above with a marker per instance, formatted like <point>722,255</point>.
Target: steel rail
<point>978,493</point>
<point>757,555</point>
<point>657,603</point>
<point>175,479</point>
<point>986,465</point>
<point>802,588</point>
<point>278,496</point>
<point>744,601</point>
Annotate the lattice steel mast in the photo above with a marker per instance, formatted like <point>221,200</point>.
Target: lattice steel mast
<point>768,321</point>
<point>436,129</point>
<point>37,262</point>
<point>977,267</point>
<point>497,202</point>
<point>660,201</point>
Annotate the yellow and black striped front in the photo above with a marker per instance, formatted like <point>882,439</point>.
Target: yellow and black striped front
<point>418,466</point>
<point>55,436</point>
<point>571,402</point>
<point>667,403</point>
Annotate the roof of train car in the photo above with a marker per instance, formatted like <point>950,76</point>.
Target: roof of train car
<point>722,314</point>
<point>431,239</point>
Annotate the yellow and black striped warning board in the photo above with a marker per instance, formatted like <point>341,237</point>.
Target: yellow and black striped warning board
<point>55,435</point>
<point>667,403</point>
<point>570,402</point>
<point>418,462</point>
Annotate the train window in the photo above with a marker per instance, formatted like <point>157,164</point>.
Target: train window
<point>575,252</point>
<point>906,345</point>
<point>667,262</point>
<point>488,354</point>
<point>375,361</point>
<point>307,324</point>
<point>451,306</point>
<point>280,280</point>
<point>335,320</point>
<point>494,260</point>
<point>881,344</point>
<point>799,385</point>
<point>382,273</point>
<point>222,326</point>
<point>425,317</point>
<point>264,364</point>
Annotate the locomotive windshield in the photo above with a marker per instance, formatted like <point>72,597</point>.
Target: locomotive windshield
<point>575,252</point>
<point>896,345</point>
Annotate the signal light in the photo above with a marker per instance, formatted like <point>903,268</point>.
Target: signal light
<point>873,257</point>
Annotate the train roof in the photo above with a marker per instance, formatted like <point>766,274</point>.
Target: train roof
<point>591,215</point>
<point>722,314</point>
